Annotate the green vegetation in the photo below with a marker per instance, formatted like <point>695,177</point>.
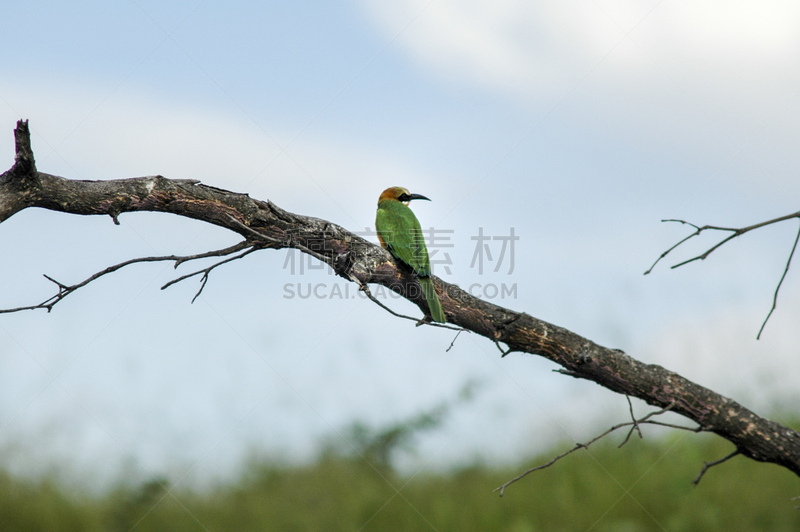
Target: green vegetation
<point>646,485</point>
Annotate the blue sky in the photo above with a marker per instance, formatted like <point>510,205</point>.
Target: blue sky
<point>579,124</point>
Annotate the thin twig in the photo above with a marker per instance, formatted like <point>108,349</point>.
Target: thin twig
<point>709,465</point>
<point>698,428</point>
<point>453,342</point>
<point>578,446</point>
<point>207,271</point>
<point>65,290</point>
<point>675,246</point>
<point>364,288</point>
<point>503,352</point>
<point>775,297</point>
<point>735,232</point>
<point>635,425</point>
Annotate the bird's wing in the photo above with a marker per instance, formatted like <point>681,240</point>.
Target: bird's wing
<point>401,231</point>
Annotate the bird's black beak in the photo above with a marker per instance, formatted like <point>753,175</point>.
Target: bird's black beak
<point>410,197</point>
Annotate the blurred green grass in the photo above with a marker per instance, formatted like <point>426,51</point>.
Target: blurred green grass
<point>646,485</point>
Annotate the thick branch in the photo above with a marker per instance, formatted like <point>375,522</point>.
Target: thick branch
<point>359,261</point>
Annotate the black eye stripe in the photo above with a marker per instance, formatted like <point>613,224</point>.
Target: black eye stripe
<point>404,197</point>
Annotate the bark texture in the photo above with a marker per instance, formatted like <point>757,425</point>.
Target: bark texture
<point>355,259</point>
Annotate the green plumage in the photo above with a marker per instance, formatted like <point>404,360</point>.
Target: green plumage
<point>400,230</point>
<point>433,300</point>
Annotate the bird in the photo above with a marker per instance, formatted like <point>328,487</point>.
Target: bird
<point>400,233</point>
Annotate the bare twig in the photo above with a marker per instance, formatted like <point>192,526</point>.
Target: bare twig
<point>65,290</point>
<point>777,289</point>
<point>635,425</point>
<point>364,288</point>
<point>709,465</point>
<point>674,426</point>
<point>734,233</point>
<point>578,446</point>
<point>667,252</point>
<point>503,352</point>
<point>454,341</point>
<point>207,271</point>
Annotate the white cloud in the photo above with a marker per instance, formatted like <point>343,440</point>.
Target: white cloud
<point>530,49</point>
<point>700,80</point>
<point>508,45</point>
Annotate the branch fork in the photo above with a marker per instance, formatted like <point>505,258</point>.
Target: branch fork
<point>735,232</point>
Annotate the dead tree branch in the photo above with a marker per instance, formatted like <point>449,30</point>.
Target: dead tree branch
<point>65,290</point>
<point>634,424</point>
<point>206,271</point>
<point>734,233</point>
<point>264,225</point>
<point>709,465</point>
<point>780,283</point>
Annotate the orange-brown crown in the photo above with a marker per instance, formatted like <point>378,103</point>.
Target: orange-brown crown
<point>393,193</point>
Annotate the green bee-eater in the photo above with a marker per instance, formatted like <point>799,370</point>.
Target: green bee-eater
<point>399,232</point>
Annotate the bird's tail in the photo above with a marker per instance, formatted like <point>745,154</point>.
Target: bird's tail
<point>433,300</point>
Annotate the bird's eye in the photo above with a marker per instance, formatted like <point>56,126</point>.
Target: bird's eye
<point>404,197</point>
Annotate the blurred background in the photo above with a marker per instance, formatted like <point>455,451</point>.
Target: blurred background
<point>574,126</point>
